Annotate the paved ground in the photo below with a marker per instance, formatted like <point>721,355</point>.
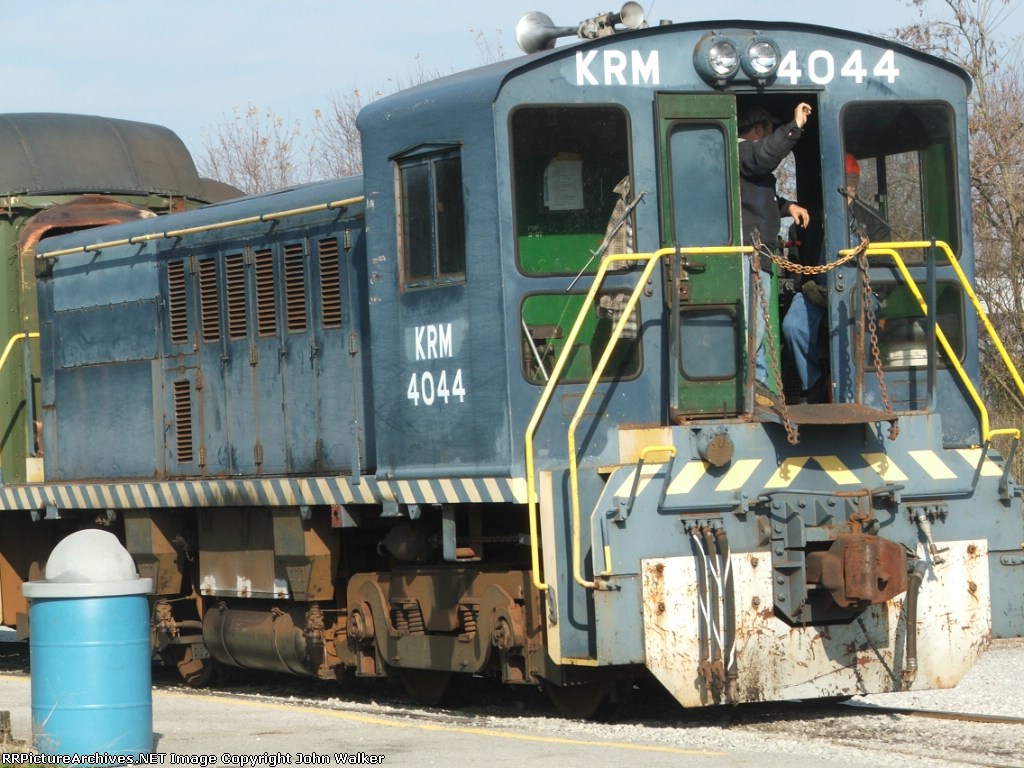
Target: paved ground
<point>223,730</point>
<point>208,730</point>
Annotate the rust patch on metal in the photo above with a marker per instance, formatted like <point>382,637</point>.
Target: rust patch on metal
<point>859,570</point>
<point>447,620</point>
<point>836,413</point>
<point>84,212</point>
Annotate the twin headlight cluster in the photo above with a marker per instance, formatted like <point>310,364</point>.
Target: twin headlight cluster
<point>719,59</point>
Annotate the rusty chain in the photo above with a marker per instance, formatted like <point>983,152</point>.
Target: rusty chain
<point>801,269</point>
<point>769,340</point>
<point>859,253</point>
<point>872,327</point>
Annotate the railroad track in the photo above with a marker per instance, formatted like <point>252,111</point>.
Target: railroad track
<point>642,708</point>
<point>936,714</point>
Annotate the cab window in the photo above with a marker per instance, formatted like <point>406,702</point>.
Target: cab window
<point>547,319</point>
<point>907,169</point>
<point>568,167</point>
<point>902,329</point>
<point>432,227</point>
<point>700,211</point>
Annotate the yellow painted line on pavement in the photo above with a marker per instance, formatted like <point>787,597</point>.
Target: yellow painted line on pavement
<point>357,717</point>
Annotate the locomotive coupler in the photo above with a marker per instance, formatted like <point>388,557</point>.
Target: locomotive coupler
<point>829,561</point>
<point>859,570</point>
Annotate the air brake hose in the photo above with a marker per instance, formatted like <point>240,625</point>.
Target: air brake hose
<point>913,588</point>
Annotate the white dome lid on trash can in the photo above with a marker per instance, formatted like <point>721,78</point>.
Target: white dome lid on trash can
<point>90,563</point>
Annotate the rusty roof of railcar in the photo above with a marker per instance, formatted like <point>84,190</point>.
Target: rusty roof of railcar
<point>52,153</point>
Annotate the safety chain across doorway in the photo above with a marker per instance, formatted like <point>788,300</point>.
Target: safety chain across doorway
<point>859,253</point>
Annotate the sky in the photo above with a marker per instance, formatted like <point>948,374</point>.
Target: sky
<point>192,65</point>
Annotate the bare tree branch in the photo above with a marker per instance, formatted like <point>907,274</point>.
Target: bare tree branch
<point>967,34</point>
<point>254,150</point>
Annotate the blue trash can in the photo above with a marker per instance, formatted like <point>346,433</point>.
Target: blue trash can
<point>90,651</point>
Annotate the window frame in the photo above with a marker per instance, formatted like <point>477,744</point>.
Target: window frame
<point>446,229</point>
<point>559,222</point>
<point>949,294</point>
<point>935,171</point>
<point>629,350</point>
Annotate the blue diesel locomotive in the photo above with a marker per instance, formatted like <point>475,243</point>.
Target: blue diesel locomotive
<point>491,409</point>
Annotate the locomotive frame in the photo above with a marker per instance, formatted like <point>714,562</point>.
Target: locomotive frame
<point>489,408</point>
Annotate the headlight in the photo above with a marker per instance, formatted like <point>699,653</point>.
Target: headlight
<point>723,58</point>
<point>760,58</point>
<point>716,59</point>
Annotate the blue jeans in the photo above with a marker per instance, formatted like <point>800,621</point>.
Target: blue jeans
<point>801,327</point>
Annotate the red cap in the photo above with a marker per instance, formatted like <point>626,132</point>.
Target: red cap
<point>852,166</point>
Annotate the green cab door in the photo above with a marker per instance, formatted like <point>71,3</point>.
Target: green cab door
<point>700,209</point>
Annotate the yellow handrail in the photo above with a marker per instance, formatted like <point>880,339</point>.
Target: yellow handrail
<point>671,451</point>
<point>890,250</point>
<point>627,311</point>
<point>12,341</point>
<point>552,382</point>
<point>542,404</point>
<point>599,372</point>
<point>651,260</point>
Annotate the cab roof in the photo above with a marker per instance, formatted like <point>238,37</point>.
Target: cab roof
<point>484,83</point>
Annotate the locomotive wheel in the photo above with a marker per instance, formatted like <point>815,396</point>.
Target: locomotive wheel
<point>581,701</point>
<point>426,687</point>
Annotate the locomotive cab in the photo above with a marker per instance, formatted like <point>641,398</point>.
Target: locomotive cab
<point>601,210</point>
<point>622,146</point>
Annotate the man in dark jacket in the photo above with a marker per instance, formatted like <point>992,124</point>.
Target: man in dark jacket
<point>762,149</point>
